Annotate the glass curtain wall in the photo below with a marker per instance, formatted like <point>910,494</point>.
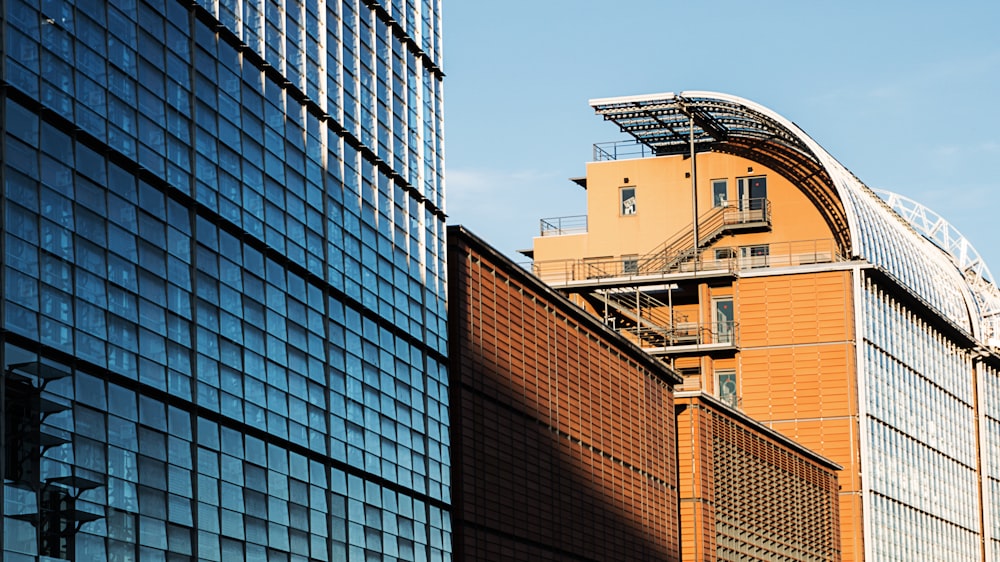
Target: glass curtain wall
<point>920,470</point>
<point>989,400</point>
<point>223,281</point>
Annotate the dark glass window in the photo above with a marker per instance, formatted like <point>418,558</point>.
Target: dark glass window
<point>627,201</point>
<point>720,193</point>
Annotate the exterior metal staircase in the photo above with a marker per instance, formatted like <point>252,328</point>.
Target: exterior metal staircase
<point>678,247</point>
<point>641,314</point>
<point>54,511</point>
<point>654,326</point>
<point>711,225</point>
<point>650,321</point>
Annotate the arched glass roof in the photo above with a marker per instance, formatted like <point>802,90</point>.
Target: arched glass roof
<point>945,236</point>
<point>864,225</point>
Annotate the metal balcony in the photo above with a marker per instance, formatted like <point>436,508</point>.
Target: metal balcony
<point>687,337</point>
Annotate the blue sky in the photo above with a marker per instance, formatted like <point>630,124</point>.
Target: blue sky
<point>906,94</point>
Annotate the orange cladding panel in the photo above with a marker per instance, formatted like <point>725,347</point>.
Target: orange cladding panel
<point>797,373</point>
<point>796,309</point>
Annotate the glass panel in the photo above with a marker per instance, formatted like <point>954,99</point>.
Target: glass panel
<point>628,203</point>
<point>720,193</point>
<point>723,320</point>
<point>726,387</point>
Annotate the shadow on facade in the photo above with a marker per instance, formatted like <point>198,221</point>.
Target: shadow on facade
<point>563,446</point>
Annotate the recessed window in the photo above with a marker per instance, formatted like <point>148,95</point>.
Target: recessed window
<point>628,201</point>
<point>720,193</point>
<point>723,328</point>
<point>725,386</point>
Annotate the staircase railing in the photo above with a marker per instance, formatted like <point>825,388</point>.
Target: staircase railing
<point>641,309</point>
<point>720,258</point>
<point>711,224</point>
<point>672,248</point>
<point>748,211</point>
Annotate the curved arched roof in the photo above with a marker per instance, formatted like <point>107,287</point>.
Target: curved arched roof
<point>945,236</point>
<point>864,226</point>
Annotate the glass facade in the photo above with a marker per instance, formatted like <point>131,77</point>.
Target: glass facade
<point>921,474</point>
<point>889,243</point>
<point>223,281</point>
<point>989,428</point>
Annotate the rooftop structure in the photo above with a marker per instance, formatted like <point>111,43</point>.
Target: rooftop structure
<point>862,227</point>
<point>727,242</point>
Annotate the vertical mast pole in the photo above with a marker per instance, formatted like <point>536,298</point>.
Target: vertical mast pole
<point>694,188</point>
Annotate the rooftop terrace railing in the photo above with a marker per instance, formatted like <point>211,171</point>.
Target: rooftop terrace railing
<point>562,226</point>
<point>621,150</point>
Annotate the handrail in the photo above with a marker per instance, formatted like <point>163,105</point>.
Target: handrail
<point>688,333</point>
<point>556,271</point>
<point>747,211</point>
<point>714,259</point>
<point>660,256</point>
<point>641,308</point>
<point>561,226</point>
<point>615,150</point>
<point>711,224</point>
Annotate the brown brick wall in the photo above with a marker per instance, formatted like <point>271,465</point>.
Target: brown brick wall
<point>749,496</point>
<point>563,436</point>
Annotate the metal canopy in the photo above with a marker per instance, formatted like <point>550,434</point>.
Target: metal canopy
<point>663,122</point>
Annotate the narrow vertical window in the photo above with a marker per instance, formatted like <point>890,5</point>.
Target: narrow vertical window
<point>628,201</point>
<point>720,193</point>
<point>724,324</point>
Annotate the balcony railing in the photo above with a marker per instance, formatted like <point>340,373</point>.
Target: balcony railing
<point>621,150</point>
<point>748,211</point>
<point>688,333</point>
<point>564,271</point>
<point>788,254</point>
<point>715,259</point>
<point>561,226</point>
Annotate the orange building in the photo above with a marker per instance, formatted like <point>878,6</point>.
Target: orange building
<point>725,241</point>
<point>748,492</point>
